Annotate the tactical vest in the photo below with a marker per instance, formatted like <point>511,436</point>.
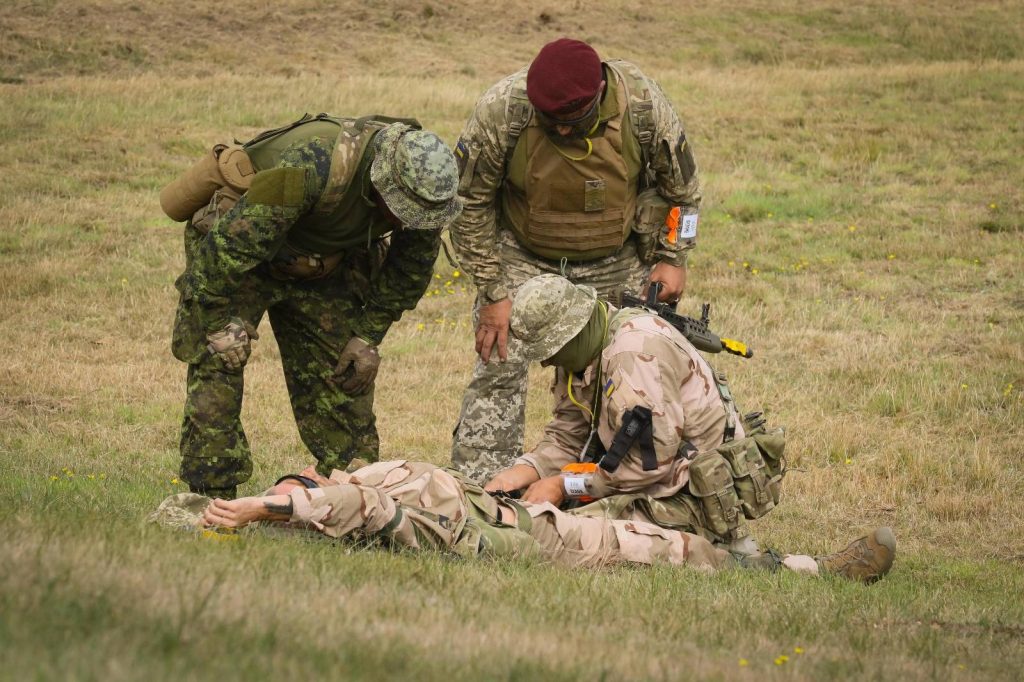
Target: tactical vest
<point>340,218</point>
<point>580,210</point>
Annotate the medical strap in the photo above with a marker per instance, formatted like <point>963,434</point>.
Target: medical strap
<point>637,427</point>
<point>304,480</point>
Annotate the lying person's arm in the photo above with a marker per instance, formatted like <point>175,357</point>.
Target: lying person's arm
<point>246,510</point>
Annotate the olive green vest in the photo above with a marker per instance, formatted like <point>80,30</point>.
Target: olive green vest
<point>345,216</point>
<point>559,207</point>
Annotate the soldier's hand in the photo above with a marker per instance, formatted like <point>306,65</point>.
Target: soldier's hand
<point>673,281</point>
<point>516,478</point>
<point>546,490</point>
<point>364,359</point>
<point>492,329</point>
<point>232,343</point>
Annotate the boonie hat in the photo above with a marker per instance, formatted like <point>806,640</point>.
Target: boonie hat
<point>547,312</point>
<point>415,173</point>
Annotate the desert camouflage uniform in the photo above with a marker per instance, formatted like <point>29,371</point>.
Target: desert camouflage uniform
<point>227,275</point>
<point>420,506</point>
<point>646,362</point>
<point>489,434</point>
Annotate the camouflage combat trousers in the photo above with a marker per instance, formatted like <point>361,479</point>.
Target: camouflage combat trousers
<point>420,506</point>
<point>311,324</point>
<point>489,433</point>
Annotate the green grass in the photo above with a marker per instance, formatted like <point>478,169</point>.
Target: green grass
<point>861,231</point>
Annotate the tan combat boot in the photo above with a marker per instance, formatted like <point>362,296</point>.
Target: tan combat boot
<point>865,559</point>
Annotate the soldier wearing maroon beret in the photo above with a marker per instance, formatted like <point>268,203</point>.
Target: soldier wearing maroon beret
<point>573,165</point>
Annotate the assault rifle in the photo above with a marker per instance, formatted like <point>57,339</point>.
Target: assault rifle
<point>695,331</point>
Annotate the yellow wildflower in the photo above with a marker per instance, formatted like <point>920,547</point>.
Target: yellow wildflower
<point>754,271</point>
<point>852,228</point>
<point>53,478</point>
<point>891,256</point>
<point>744,663</point>
<point>993,206</point>
<point>798,650</point>
<point>456,274</point>
<point>103,477</point>
<point>420,327</point>
<point>174,481</point>
<point>781,660</point>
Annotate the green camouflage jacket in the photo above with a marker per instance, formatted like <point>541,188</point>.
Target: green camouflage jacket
<point>258,225</point>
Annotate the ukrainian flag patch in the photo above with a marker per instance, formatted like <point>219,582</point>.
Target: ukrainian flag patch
<point>609,388</point>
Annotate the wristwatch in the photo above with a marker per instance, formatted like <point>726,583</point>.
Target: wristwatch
<point>493,292</point>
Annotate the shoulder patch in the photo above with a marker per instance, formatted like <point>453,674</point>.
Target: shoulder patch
<point>278,187</point>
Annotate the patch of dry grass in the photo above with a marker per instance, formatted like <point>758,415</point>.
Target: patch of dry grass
<point>862,231</point>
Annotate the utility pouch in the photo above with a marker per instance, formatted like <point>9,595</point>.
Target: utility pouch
<point>222,201</point>
<point>711,481</point>
<point>757,490</point>
<point>772,446</point>
<point>651,212</point>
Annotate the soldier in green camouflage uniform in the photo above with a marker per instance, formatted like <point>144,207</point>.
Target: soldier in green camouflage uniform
<point>335,237</point>
<point>600,188</point>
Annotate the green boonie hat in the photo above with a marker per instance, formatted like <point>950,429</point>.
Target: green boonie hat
<point>415,173</point>
<point>547,312</point>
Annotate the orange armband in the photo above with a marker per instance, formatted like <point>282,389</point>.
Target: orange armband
<point>576,480</point>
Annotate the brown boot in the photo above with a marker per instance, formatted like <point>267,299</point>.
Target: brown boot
<point>865,559</point>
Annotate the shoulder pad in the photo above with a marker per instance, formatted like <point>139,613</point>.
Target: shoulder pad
<point>518,109</point>
<point>641,107</point>
<point>278,187</point>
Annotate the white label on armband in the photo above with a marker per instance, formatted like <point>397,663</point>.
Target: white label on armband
<point>575,486</point>
<point>688,229</point>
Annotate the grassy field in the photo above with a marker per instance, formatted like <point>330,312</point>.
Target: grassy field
<point>863,231</point>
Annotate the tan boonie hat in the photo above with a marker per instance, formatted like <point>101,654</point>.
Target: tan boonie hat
<point>547,312</point>
<point>183,510</point>
<point>415,173</point>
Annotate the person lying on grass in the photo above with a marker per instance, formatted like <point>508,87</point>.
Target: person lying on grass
<point>421,506</point>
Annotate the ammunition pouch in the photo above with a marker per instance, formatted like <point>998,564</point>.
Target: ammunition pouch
<point>740,478</point>
<point>651,212</point>
<point>222,201</point>
<point>224,167</point>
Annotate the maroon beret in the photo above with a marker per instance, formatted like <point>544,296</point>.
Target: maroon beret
<point>564,76</point>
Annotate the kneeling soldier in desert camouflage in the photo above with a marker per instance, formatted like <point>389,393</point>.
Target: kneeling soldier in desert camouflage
<point>644,429</point>
<point>421,506</point>
<point>329,225</point>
